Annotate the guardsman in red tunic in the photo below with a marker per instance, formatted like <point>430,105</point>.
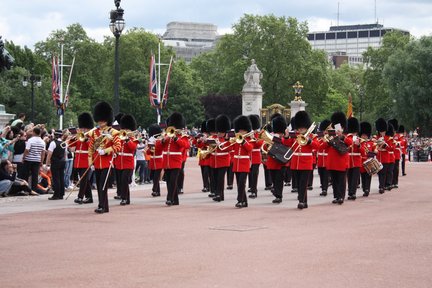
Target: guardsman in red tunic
<point>275,167</point>
<point>391,150</point>
<point>80,147</point>
<point>211,141</point>
<point>337,163</point>
<point>355,157</point>
<point>383,147</point>
<point>104,144</point>
<point>221,156</point>
<point>154,150</point>
<point>125,161</point>
<point>242,157</point>
<point>256,156</point>
<point>173,145</point>
<point>302,159</point>
<point>403,146</point>
<point>185,156</point>
<point>368,152</point>
<point>322,157</point>
<point>204,156</point>
<point>397,154</point>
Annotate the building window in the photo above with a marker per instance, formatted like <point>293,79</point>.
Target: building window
<point>363,34</point>
<point>330,36</point>
<point>352,34</point>
<point>319,36</point>
<point>375,33</point>
<point>311,37</point>
<point>341,35</point>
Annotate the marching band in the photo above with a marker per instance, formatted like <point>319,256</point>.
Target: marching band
<point>343,149</point>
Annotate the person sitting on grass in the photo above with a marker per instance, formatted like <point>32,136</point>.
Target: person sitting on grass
<point>16,186</point>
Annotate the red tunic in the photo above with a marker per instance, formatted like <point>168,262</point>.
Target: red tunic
<point>383,154</point>
<point>221,157</point>
<point>271,163</point>
<point>303,157</point>
<point>368,146</point>
<point>81,154</point>
<point>203,147</point>
<point>322,154</point>
<point>125,156</point>
<point>256,149</point>
<point>110,143</point>
<point>156,158</point>
<point>355,153</point>
<point>403,144</point>
<point>242,157</point>
<point>397,149</point>
<point>173,149</point>
<point>336,161</point>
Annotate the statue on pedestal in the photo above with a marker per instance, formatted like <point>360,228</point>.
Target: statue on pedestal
<point>252,76</point>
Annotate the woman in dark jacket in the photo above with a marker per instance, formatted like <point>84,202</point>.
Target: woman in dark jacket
<point>18,187</point>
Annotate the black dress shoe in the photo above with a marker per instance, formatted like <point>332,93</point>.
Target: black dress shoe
<point>180,191</point>
<point>87,201</point>
<point>253,196</point>
<point>123,202</point>
<point>155,194</point>
<point>365,194</point>
<point>244,204</point>
<point>212,195</point>
<point>268,188</point>
<point>286,184</point>
<point>78,200</point>
<point>381,191</point>
<point>323,193</point>
<point>340,201</point>
<point>99,210</point>
<point>404,174</point>
<point>168,203</point>
<point>294,190</point>
<point>395,186</point>
<point>117,197</point>
<point>277,200</point>
<point>217,198</point>
<point>204,190</point>
<point>239,205</point>
<point>250,190</point>
<point>352,197</point>
<point>309,188</point>
<point>305,206</point>
<point>335,201</point>
<point>55,198</point>
<point>229,187</point>
<point>300,205</point>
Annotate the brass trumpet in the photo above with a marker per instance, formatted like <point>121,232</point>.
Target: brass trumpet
<point>267,138</point>
<point>79,137</point>
<point>302,140</point>
<point>172,132</point>
<point>125,135</point>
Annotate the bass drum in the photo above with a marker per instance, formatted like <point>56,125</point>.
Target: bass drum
<point>372,166</point>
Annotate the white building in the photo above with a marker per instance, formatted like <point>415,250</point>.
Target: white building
<point>350,40</point>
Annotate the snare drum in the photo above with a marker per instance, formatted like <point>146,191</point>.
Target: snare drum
<point>372,166</point>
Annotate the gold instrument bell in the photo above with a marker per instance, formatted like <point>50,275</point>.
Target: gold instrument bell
<point>125,135</point>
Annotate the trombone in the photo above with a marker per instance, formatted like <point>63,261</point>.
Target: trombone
<point>239,138</point>
<point>79,137</point>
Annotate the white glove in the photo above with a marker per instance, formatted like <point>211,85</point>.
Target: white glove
<point>92,167</point>
<point>101,152</point>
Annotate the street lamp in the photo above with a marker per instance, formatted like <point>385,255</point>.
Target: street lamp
<point>298,88</point>
<point>33,79</point>
<point>116,25</point>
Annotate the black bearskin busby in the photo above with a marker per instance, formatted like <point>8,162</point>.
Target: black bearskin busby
<point>275,115</point>
<point>177,120</point>
<point>128,122</point>
<point>390,130</point>
<point>223,124</point>
<point>353,125</point>
<point>211,125</point>
<point>339,118</point>
<point>242,123</point>
<point>85,121</point>
<point>279,124</point>
<point>394,123</point>
<point>103,112</point>
<point>381,125</point>
<point>204,127</point>
<point>293,127</point>
<point>255,121</point>
<point>324,124</point>
<point>118,117</point>
<point>365,128</point>
<point>154,129</point>
<point>302,120</point>
<point>401,129</point>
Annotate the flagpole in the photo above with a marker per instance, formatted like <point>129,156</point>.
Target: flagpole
<point>61,85</point>
<point>159,84</point>
<point>69,79</point>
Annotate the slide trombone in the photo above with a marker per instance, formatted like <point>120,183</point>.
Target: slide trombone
<point>239,138</point>
<point>79,137</point>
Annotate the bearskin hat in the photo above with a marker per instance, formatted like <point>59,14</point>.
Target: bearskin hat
<point>255,121</point>
<point>324,124</point>
<point>339,118</point>
<point>353,125</point>
<point>128,122</point>
<point>154,129</point>
<point>381,125</point>
<point>302,120</point>
<point>275,115</point>
<point>85,120</point>
<point>390,130</point>
<point>401,129</point>
<point>242,123</point>
<point>292,123</point>
<point>211,125</point>
<point>203,128</point>
<point>393,122</point>
<point>365,128</point>
<point>103,112</point>
<point>118,117</point>
<point>223,123</point>
<point>279,124</point>
<point>177,120</point>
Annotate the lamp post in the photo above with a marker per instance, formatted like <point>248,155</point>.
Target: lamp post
<point>116,25</point>
<point>33,79</point>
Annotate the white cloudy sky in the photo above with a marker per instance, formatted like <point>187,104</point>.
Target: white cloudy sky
<point>26,22</point>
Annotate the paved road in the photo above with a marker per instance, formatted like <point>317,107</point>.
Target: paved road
<point>380,241</point>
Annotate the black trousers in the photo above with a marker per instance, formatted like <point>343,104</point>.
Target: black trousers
<point>219,179</point>
<point>396,173</point>
<point>302,177</point>
<point>310,181</point>
<point>172,176</point>
<point>382,174</point>
<point>241,186</point>
<point>20,169</point>
<point>205,174</point>
<point>338,183</point>
<point>101,176</point>
<point>277,177</point>
<point>267,177</point>
<point>253,178</point>
<point>31,169</point>
<point>366,182</point>
<point>85,184</point>
<point>294,181</point>
<point>212,180</point>
<point>403,163</point>
<point>324,178</point>
<point>287,175</point>
<point>156,179</point>
<point>117,180</point>
<point>389,177</point>
<point>230,175</point>
<point>124,176</point>
<point>181,177</point>
<point>353,180</point>
<point>57,172</point>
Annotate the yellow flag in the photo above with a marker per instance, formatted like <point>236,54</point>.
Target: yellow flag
<point>349,112</point>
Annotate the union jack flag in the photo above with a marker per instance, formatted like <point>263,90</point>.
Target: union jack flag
<point>153,95</point>
<point>56,86</point>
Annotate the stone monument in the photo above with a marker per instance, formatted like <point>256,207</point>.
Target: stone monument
<point>252,91</point>
<point>4,117</point>
<point>297,104</point>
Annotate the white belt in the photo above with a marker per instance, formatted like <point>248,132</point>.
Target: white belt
<point>303,154</point>
<point>391,152</point>
<point>219,154</point>
<point>156,157</point>
<point>172,153</point>
<point>81,151</point>
<point>354,154</point>
<point>241,157</point>
<point>125,154</point>
<point>256,150</point>
<point>322,154</point>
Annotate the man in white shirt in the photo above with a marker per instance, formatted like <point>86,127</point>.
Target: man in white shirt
<point>33,157</point>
